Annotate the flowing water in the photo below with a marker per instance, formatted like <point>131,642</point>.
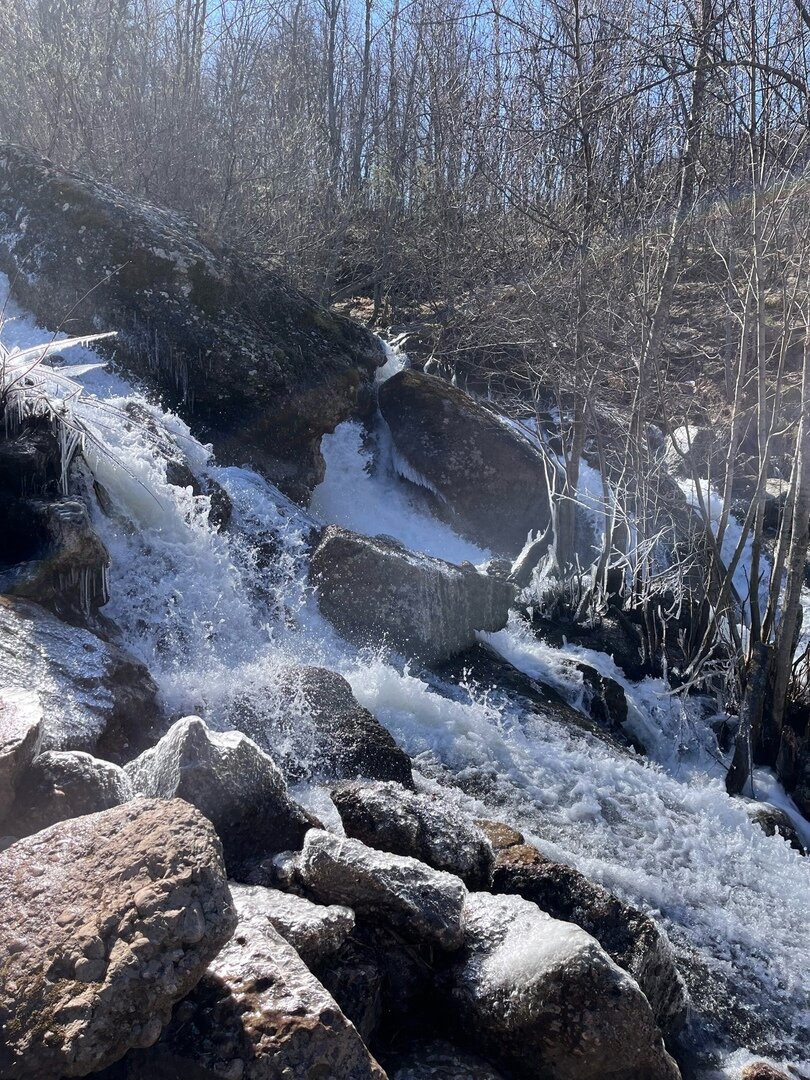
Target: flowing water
<point>217,615</point>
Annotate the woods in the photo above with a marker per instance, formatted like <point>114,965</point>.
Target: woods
<point>595,208</point>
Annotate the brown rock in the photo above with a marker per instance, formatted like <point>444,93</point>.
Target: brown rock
<point>107,921</point>
<point>761,1070</point>
<point>501,836</point>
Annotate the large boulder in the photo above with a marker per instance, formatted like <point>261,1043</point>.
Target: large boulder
<point>106,922</point>
<point>487,479</point>
<point>428,828</point>
<point>65,784</point>
<point>253,365</point>
<point>546,998</point>
<point>375,590</point>
<point>65,565</point>
<point>230,780</point>
<point>20,738</point>
<point>630,937</point>
<point>332,735</point>
<point>315,931</point>
<point>398,891</point>
<point>95,697</point>
<point>258,1014</point>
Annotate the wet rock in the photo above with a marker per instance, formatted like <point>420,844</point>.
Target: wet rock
<point>761,1070</point>
<point>20,738</point>
<point>356,979</point>
<point>180,474</point>
<point>486,479</point>
<point>252,364</point>
<point>95,697</point>
<point>65,784</point>
<point>107,921</point>
<point>438,1060</point>
<point>605,700</point>
<point>330,729</point>
<point>257,1014</point>
<point>230,780</point>
<point>629,936</point>
<point>546,998</point>
<point>500,836</point>
<point>315,931</point>
<point>774,822</point>
<point>612,634</point>
<point>425,904</point>
<point>65,566</point>
<point>30,459</point>
<point>375,590</point>
<point>387,817</point>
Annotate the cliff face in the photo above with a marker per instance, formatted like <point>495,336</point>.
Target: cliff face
<point>254,365</point>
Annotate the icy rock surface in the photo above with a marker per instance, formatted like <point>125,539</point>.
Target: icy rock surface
<point>386,816</point>
<point>65,784</point>
<point>375,591</point>
<point>315,931</point>
<point>258,1014</point>
<point>20,738</point>
<point>629,936</point>
<point>94,696</point>
<point>425,904</point>
<point>545,994</point>
<point>230,780</point>
<point>106,921</point>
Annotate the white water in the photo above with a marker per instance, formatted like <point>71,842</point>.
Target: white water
<point>216,616</point>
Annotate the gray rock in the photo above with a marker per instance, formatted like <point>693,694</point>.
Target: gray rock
<point>106,922</point>
<point>65,784</point>
<point>386,816</point>
<point>332,735</point>
<point>488,481</point>
<point>774,822</point>
<point>253,365</point>
<point>695,449</point>
<point>425,904</point>
<point>315,931</point>
<point>630,937</point>
<point>95,697</point>
<point>375,590</point>
<point>20,738</point>
<point>230,780</point>
<point>545,996</point>
<point>258,1014</point>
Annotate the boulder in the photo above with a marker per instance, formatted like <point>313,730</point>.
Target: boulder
<point>398,891</point>
<point>334,733</point>
<point>20,738</point>
<point>106,922</point>
<point>487,480</point>
<point>761,1070</point>
<point>65,566</point>
<point>30,458</point>
<point>251,363</point>
<point>257,1014</point>
<point>629,936</point>
<point>315,931</point>
<point>439,1060</point>
<point>373,590</point>
<point>387,817</point>
<point>546,998</point>
<point>95,697</point>
<point>774,822</point>
<point>230,780</point>
<point>65,784</point>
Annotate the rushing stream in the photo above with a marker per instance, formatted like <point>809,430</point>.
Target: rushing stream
<point>216,615</point>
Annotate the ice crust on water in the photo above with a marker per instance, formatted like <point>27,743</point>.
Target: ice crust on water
<point>216,615</point>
